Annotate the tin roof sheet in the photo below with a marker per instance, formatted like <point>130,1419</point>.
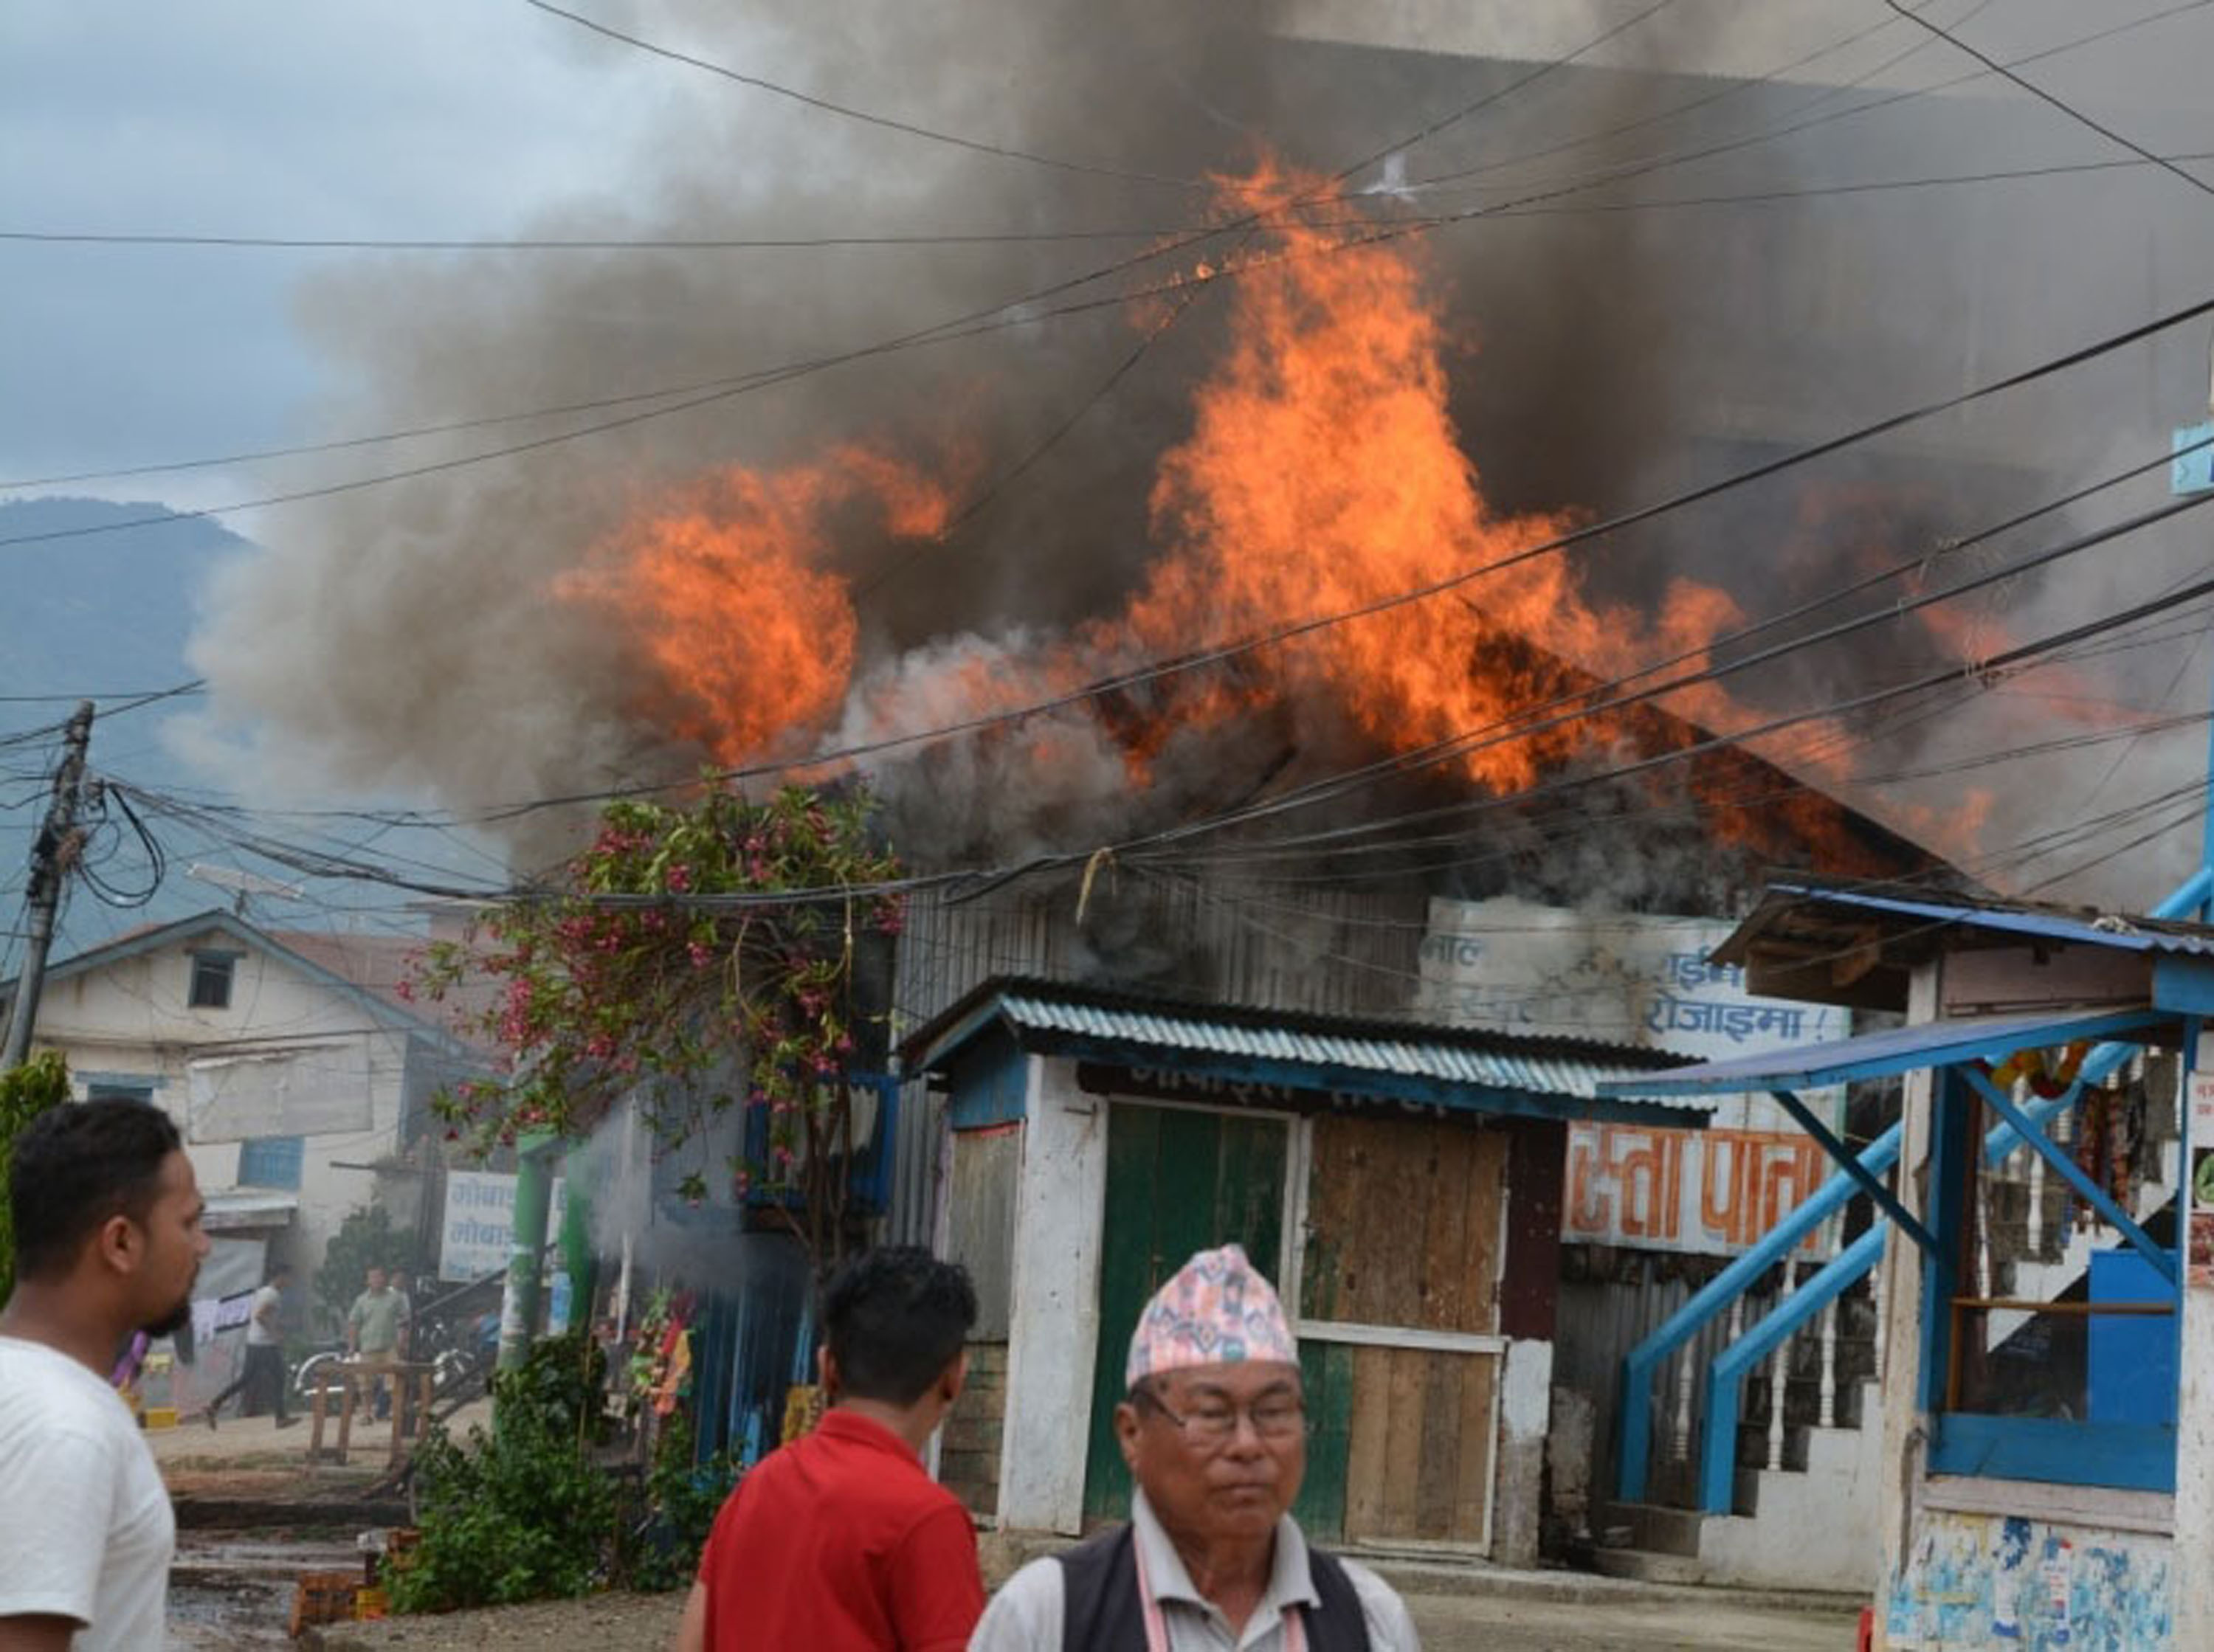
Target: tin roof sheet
<point>2082,925</point>
<point>1569,1068</point>
<point>1894,1050</point>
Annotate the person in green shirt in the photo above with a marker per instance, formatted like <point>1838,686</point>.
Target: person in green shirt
<point>373,1330</point>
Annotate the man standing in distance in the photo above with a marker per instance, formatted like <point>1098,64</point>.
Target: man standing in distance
<point>1214,1431</point>
<point>108,1242</point>
<point>263,1377</point>
<point>841,1542</point>
<point>373,1327</point>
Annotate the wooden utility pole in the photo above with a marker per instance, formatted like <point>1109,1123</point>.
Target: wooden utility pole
<point>51,855</point>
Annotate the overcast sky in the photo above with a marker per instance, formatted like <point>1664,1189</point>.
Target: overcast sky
<point>340,117</point>
<point>345,119</point>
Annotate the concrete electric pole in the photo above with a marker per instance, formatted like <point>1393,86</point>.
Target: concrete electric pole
<point>58,846</point>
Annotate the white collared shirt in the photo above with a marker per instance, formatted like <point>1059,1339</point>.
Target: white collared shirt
<point>1025,1616</point>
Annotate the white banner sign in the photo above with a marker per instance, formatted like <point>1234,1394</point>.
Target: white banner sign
<point>318,1090</point>
<point>478,1236</point>
<point>1515,967</point>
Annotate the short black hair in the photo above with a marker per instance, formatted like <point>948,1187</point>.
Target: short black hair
<point>895,1318</point>
<point>77,1165</point>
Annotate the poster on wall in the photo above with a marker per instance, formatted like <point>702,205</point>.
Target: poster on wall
<point>1515,966</point>
<point>2199,1268</point>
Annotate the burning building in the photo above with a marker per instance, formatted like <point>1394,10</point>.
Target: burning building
<point>1211,617</point>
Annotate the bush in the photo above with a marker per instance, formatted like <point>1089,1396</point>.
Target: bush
<point>525,1513</point>
<point>520,1513</point>
<point>662,1546</point>
<point>25,1092</point>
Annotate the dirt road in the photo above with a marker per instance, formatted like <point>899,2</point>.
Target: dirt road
<point>1458,1623</point>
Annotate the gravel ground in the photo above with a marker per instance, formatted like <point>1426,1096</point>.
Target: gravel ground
<point>1458,1623</point>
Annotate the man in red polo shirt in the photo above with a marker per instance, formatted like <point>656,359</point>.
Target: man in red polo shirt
<point>841,1542</point>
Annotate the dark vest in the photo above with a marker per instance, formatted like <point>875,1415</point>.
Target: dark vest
<point>1101,1612</point>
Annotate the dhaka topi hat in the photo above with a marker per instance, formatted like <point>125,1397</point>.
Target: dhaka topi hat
<point>1216,1310</point>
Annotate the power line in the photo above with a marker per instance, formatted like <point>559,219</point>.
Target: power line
<point>2006,72</point>
<point>2002,662</point>
<point>1733,89</point>
<point>1225,652</point>
<point>971,325</point>
<point>974,879</point>
<point>977,146</point>
<point>1725,197</point>
<point>592,244</point>
<point>1114,685</point>
<point>136,696</point>
<point>1053,438</point>
<point>1184,238</point>
<point>1528,206</point>
<point>1888,100</point>
<point>1580,706</point>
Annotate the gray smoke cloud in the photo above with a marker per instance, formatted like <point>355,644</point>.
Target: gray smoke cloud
<point>412,637</point>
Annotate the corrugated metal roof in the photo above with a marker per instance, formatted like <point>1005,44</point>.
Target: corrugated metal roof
<point>1895,1049</point>
<point>2082,926</point>
<point>1541,1069</point>
<point>1342,1057</point>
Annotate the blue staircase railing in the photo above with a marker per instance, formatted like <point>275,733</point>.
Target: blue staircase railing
<point>1726,1374</point>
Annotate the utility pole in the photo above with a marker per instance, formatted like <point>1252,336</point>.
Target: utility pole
<point>51,855</point>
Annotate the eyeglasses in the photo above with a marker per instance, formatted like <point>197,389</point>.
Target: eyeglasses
<point>1213,1425</point>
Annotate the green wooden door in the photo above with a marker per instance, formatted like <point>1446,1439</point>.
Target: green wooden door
<point>1179,1181</point>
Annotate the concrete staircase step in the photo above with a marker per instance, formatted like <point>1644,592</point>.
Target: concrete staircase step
<point>1644,1566</point>
<point>1649,1526</point>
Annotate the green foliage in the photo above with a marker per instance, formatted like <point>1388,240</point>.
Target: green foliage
<point>519,1513</point>
<point>25,1092</point>
<point>523,1512</point>
<point>674,960</point>
<point>365,1239</point>
<point>662,1547</point>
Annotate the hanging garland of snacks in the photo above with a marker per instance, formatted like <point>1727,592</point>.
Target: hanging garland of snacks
<point>2049,1072</point>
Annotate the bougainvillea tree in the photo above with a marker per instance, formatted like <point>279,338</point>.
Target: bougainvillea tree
<point>699,958</point>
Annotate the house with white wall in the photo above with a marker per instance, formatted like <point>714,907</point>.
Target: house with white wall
<point>292,1062</point>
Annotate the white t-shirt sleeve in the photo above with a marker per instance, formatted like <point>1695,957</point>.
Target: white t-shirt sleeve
<point>57,1501</point>
<point>1390,1627</point>
<point>1025,1616</point>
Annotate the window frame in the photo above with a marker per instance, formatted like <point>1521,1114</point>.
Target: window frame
<point>205,964</point>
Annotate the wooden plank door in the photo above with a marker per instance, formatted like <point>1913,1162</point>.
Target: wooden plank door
<point>1180,1180</point>
<point>1399,1295</point>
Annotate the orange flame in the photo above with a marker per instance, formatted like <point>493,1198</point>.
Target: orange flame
<point>753,637</point>
<point>1324,472</point>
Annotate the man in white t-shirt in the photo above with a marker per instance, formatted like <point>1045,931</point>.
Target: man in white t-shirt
<point>262,1378</point>
<point>106,1218</point>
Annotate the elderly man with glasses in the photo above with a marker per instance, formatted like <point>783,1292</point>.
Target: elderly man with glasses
<point>1214,1431</point>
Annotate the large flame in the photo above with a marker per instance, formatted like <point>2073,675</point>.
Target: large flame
<point>1323,472</point>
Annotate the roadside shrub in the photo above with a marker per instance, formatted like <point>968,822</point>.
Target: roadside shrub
<point>25,1091</point>
<point>661,1544</point>
<point>519,1512</point>
<point>524,1511</point>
